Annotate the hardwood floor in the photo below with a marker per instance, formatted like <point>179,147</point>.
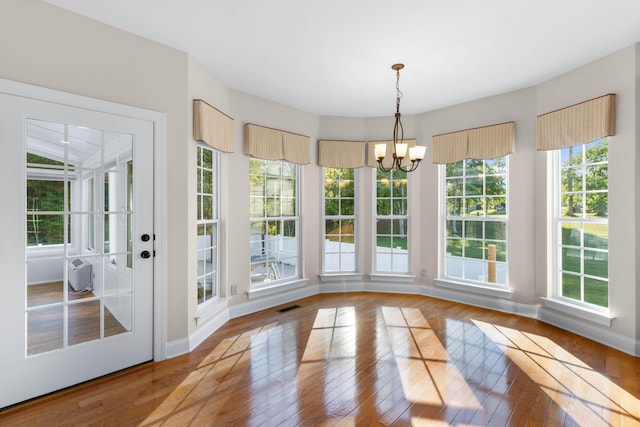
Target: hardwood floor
<point>45,326</point>
<point>364,359</point>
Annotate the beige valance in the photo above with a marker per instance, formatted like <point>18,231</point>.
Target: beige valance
<point>212,126</point>
<point>388,159</point>
<point>487,142</point>
<point>341,154</point>
<point>273,144</point>
<point>577,124</point>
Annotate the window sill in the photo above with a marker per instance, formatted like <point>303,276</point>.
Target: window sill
<point>340,277</point>
<point>578,311</point>
<point>405,278</point>
<point>498,291</point>
<point>265,290</point>
<point>212,306</point>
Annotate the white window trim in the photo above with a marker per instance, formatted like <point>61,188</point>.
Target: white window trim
<point>208,306</point>
<point>376,274</point>
<point>580,309</point>
<point>270,287</point>
<point>458,283</point>
<point>565,306</point>
<point>356,208</point>
<point>498,291</point>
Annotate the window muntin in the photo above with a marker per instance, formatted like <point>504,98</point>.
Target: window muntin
<point>475,220</point>
<point>274,221</point>
<point>391,253</point>
<point>207,224</point>
<point>339,243</point>
<point>581,213</point>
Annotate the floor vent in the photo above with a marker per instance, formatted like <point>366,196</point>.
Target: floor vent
<point>291,307</point>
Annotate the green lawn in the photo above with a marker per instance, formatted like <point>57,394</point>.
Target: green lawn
<point>595,263</point>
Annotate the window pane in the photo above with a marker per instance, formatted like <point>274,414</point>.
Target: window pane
<point>454,247</point>
<point>473,186</point>
<point>454,187</point>
<point>474,167</point>
<point>571,260</point>
<point>496,206</point>
<point>288,206</point>
<point>596,236</point>
<point>597,205</point>
<point>496,185</point>
<point>473,229</point>
<point>571,286</point>
<point>454,207</point>
<point>571,233</point>
<point>596,292</point>
<point>454,169</point>
<point>596,263</point>
<point>454,228</point>
<point>474,249</point>
<point>475,206</point>
<point>571,179</point>
<point>347,207</point>
<point>495,230</point>
<point>383,207</point>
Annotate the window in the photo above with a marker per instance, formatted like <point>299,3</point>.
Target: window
<point>339,220</point>
<point>391,222</point>
<point>274,221</point>
<point>45,201</point>
<point>207,224</point>
<point>582,230</point>
<point>475,220</point>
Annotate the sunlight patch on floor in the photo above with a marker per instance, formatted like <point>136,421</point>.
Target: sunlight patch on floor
<point>426,374</point>
<point>587,396</point>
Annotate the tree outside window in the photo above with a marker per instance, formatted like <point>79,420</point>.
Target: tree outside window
<point>583,229</point>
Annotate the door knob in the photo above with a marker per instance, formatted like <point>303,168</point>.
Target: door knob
<point>145,237</point>
<point>145,254</point>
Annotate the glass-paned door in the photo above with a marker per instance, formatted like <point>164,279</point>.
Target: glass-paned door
<point>78,245</point>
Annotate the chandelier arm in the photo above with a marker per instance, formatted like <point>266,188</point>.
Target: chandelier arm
<point>382,168</point>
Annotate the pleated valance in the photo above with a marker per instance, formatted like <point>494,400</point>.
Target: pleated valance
<point>388,159</point>
<point>212,126</point>
<point>577,124</point>
<point>487,142</point>
<point>341,154</point>
<point>274,144</point>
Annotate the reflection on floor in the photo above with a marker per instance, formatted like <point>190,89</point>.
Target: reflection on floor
<point>364,359</point>
<point>45,327</point>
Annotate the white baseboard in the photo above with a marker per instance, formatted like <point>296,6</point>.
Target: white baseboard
<point>177,348</point>
<point>253,306</point>
<point>534,311</point>
<point>209,326</point>
<point>589,330</point>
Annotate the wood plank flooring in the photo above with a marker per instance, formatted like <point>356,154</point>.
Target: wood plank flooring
<point>45,326</point>
<point>364,359</point>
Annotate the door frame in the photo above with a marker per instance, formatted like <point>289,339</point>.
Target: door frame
<point>159,185</point>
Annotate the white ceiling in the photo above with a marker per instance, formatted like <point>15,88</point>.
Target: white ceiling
<point>334,57</point>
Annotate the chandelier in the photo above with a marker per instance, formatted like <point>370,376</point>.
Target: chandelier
<point>400,147</point>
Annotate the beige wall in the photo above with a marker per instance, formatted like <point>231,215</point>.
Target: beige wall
<point>47,46</point>
<point>616,73</point>
<point>43,45</point>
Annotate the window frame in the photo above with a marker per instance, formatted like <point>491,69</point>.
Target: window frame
<point>340,217</point>
<point>273,274</point>
<point>484,286</point>
<point>214,222</point>
<point>392,217</point>
<point>557,235</point>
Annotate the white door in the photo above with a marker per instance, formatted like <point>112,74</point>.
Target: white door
<point>76,246</point>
